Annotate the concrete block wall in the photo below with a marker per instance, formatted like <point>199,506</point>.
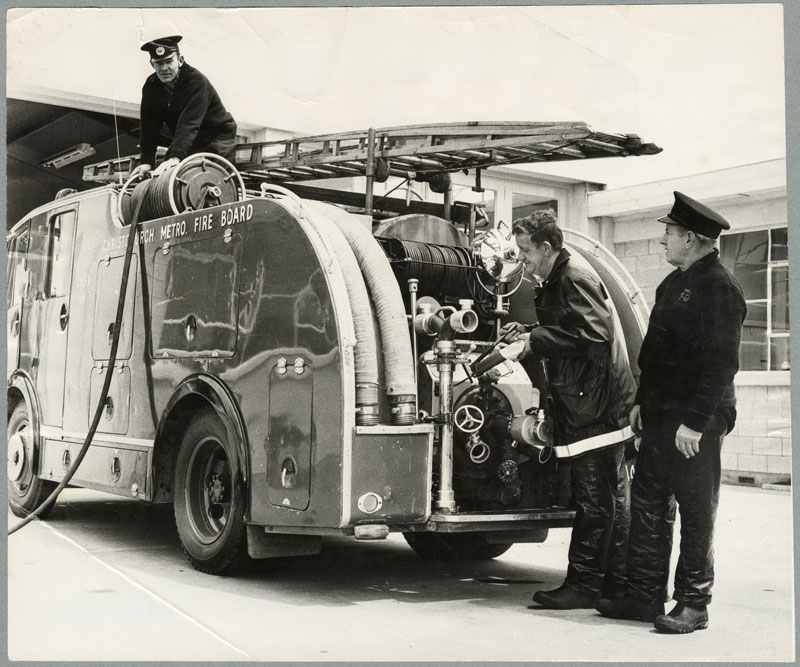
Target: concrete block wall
<point>645,260</point>
<point>760,444</point>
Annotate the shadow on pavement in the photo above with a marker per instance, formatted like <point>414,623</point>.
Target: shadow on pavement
<point>139,536</point>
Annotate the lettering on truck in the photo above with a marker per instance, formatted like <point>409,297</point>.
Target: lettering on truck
<point>234,214</point>
<point>117,243</point>
<point>172,230</point>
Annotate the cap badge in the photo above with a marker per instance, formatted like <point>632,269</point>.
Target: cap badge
<point>160,51</point>
<point>685,295</point>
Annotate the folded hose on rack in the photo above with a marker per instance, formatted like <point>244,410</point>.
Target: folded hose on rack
<point>401,388</point>
<point>365,351</point>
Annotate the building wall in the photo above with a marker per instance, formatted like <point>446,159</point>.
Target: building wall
<point>645,260</point>
<point>759,448</point>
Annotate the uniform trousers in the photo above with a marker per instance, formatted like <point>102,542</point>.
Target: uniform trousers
<point>663,476</point>
<point>599,539</point>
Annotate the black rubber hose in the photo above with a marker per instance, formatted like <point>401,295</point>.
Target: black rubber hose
<point>109,373</point>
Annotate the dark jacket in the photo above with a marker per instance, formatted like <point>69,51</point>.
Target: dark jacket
<point>193,112</point>
<point>691,351</point>
<point>589,377</point>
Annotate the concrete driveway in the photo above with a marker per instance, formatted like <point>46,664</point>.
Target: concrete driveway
<point>104,579</point>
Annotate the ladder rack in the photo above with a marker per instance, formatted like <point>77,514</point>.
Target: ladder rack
<point>412,151</point>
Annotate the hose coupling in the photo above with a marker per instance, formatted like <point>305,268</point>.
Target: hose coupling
<point>403,409</point>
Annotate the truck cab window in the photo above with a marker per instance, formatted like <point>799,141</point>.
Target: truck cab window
<point>59,252</point>
<point>17,267</point>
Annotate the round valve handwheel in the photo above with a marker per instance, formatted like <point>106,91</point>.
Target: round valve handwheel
<point>469,418</point>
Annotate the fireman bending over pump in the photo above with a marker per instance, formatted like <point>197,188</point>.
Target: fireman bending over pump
<point>592,390</point>
<point>181,97</point>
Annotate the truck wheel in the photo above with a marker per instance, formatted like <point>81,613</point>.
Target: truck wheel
<point>26,491</point>
<point>465,546</point>
<point>209,503</point>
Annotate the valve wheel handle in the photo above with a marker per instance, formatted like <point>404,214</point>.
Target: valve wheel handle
<point>469,418</point>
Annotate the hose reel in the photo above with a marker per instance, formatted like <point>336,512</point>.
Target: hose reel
<point>199,181</point>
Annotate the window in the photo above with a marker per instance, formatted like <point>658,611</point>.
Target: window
<point>760,262</point>
<point>524,204</point>
<point>59,252</point>
<point>485,201</point>
<point>17,267</point>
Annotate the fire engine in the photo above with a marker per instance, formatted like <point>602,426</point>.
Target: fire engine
<point>282,361</point>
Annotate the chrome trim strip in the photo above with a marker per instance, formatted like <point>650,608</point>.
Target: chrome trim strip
<point>384,429</point>
<point>55,433</point>
<point>502,518</point>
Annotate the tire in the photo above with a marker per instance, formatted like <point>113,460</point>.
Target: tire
<point>26,491</point>
<point>209,503</point>
<point>448,547</point>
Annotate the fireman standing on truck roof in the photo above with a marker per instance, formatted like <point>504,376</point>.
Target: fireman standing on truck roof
<point>592,389</point>
<point>182,98</point>
<point>685,406</point>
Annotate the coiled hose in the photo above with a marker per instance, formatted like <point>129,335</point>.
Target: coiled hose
<point>123,290</point>
<point>443,269</point>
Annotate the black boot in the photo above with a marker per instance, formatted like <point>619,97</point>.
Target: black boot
<point>630,608</point>
<point>564,598</point>
<point>683,619</point>
<point>613,591</point>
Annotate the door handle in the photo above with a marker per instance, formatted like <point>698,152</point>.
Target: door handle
<point>190,328</point>
<point>63,317</point>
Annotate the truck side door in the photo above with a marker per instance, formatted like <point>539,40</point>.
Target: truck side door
<point>31,306</point>
<point>57,275</point>
<point>16,284</point>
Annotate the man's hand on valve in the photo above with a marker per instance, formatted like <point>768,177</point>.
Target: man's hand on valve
<point>513,331</point>
<point>512,326</point>
<point>687,441</point>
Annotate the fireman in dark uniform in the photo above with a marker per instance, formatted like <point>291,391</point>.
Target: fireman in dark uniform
<point>684,407</point>
<point>592,389</point>
<point>182,98</point>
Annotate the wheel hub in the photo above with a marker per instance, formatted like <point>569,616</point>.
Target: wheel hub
<point>216,489</point>
<point>17,448</point>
